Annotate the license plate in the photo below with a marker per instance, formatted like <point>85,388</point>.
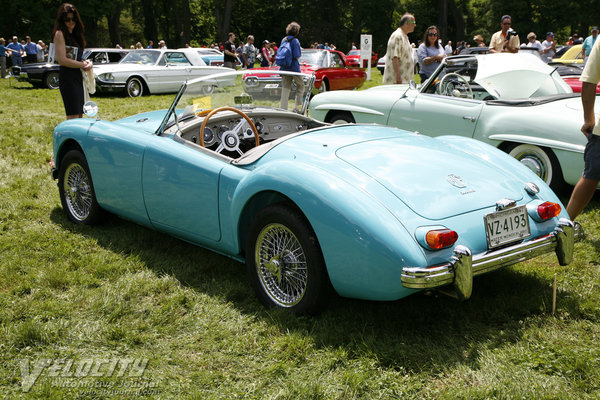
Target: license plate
<point>271,85</point>
<point>506,226</point>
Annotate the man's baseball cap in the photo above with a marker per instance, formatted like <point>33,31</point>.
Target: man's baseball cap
<point>594,28</point>
<point>549,34</point>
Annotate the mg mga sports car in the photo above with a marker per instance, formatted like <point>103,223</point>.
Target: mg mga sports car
<point>375,212</point>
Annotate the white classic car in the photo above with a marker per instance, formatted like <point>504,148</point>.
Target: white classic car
<point>514,102</point>
<point>153,71</point>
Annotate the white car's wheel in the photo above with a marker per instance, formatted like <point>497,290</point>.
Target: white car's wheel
<point>134,87</point>
<point>341,118</point>
<point>539,161</point>
<point>51,80</point>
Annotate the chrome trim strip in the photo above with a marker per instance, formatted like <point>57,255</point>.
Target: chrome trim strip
<point>463,266</point>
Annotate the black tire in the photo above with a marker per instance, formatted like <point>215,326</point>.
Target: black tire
<point>51,80</point>
<point>284,261</point>
<point>77,190</point>
<point>540,160</point>
<point>341,117</point>
<point>134,87</point>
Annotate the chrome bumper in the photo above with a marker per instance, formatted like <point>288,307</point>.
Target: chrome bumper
<point>463,265</point>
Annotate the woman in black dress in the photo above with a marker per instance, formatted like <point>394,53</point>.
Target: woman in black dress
<point>68,47</point>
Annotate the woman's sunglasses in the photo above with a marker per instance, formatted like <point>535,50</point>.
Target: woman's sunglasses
<point>69,19</point>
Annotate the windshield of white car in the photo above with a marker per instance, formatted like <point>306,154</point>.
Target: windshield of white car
<point>147,57</point>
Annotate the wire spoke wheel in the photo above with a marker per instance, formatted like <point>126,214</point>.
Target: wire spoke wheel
<point>281,265</point>
<point>284,261</point>
<point>78,193</point>
<point>77,190</point>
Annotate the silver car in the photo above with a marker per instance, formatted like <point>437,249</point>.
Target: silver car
<point>153,71</point>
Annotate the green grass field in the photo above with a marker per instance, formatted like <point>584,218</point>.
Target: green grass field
<point>81,306</point>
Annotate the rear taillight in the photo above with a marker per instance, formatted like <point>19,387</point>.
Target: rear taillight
<point>548,210</point>
<point>441,238</point>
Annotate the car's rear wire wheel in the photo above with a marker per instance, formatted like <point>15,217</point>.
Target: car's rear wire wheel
<point>284,261</point>
<point>77,190</point>
<point>134,87</point>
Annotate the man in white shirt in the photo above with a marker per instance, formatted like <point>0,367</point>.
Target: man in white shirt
<point>448,48</point>
<point>586,187</point>
<point>548,47</point>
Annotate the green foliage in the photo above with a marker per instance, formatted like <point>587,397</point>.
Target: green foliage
<point>332,21</point>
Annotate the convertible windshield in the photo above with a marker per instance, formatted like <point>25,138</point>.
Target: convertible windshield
<point>242,90</point>
<point>148,57</point>
<point>497,77</point>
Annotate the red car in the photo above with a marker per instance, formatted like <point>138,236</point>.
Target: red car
<point>353,59</point>
<point>575,83</point>
<point>329,68</point>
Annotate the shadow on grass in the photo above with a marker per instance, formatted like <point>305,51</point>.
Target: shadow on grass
<point>415,333</point>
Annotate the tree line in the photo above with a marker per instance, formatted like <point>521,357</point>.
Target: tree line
<point>201,22</point>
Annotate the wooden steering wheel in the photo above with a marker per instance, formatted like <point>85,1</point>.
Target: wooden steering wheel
<point>230,140</point>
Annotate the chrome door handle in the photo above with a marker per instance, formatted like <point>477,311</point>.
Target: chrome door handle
<point>472,119</point>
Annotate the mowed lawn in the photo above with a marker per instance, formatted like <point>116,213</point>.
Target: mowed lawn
<point>76,301</point>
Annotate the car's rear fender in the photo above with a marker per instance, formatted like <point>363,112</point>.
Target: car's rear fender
<point>364,246</point>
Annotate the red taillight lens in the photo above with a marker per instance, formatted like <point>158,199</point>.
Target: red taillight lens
<point>548,210</point>
<point>441,238</point>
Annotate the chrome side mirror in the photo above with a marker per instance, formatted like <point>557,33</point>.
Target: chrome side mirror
<point>90,109</point>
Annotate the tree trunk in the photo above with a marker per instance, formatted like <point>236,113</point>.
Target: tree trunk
<point>150,31</point>
<point>114,27</point>
<point>459,20</point>
<point>443,19</point>
<point>186,21</point>
<point>223,16</point>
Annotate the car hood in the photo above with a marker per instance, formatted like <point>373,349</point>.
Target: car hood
<point>148,121</point>
<point>101,69</point>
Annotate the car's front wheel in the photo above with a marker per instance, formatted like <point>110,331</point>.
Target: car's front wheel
<point>77,190</point>
<point>284,261</point>
<point>134,87</point>
<point>541,161</point>
<point>51,80</point>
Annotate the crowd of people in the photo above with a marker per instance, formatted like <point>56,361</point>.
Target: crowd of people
<point>430,50</point>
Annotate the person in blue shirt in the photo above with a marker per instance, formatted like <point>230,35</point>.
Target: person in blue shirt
<point>31,51</point>
<point>16,51</point>
<point>588,43</point>
<point>292,30</point>
<point>3,51</point>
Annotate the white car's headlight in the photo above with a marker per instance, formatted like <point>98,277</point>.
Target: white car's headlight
<point>106,77</point>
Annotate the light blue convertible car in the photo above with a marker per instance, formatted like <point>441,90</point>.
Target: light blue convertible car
<point>373,212</point>
<point>512,101</point>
